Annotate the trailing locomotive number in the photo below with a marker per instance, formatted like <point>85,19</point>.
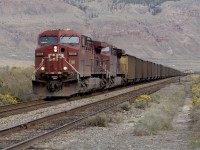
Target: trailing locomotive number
<point>55,57</point>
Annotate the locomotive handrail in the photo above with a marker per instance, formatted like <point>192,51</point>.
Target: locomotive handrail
<point>78,73</point>
<point>33,76</point>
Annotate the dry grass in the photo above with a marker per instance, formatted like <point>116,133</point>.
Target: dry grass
<point>160,116</point>
<point>156,97</point>
<point>195,114</point>
<point>16,82</point>
<point>195,111</point>
<point>195,143</point>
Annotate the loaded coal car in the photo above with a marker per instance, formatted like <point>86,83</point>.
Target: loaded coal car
<point>139,70</point>
<point>133,69</point>
<point>145,71</point>
<point>156,71</point>
<point>149,70</point>
<point>162,70</point>
<point>159,71</point>
<point>128,68</point>
<point>152,71</point>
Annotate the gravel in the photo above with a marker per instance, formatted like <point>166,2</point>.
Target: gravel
<point>119,136</point>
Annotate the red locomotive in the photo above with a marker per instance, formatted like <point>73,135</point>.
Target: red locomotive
<point>67,63</point>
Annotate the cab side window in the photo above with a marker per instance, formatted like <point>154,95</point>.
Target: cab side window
<point>114,52</point>
<point>89,41</point>
<point>83,41</point>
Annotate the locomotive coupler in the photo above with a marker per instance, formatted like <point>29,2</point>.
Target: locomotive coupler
<point>54,86</point>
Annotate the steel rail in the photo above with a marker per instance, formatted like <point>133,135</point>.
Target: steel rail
<point>19,108</point>
<point>18,105</point>
<point>7,110</point>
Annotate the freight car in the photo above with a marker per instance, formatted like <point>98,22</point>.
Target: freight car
<point>67,63</point>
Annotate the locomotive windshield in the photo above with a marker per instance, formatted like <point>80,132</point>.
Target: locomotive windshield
<point>69,39</point>
<point>48,39</point>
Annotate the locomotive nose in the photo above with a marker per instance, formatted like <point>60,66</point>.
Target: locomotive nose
<point>54,61</point>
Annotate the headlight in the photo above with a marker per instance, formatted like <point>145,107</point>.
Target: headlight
<point>55,49</point>
<point>64,68</point>
<point>42,68</point>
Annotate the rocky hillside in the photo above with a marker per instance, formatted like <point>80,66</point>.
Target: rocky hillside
<point>167,33</point>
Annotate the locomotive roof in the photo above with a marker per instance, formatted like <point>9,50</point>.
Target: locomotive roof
<point>60,31</point>
<point>99,44</point>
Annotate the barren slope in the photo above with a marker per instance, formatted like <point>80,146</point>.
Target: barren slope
<point>171,37</point>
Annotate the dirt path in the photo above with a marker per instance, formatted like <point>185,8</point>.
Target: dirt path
<point>175,139</point>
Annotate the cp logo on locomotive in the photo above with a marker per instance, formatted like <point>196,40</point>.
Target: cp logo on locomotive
<point>55,57</point>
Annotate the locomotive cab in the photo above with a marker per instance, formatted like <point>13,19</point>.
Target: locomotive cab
<point>57,55</point>
<point>110,57</point>
<point>57,62</point>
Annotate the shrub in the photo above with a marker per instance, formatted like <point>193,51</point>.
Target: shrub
<point>100,120</point>
<point>7,99</point>
<point>196,90</point>
<point>142,101</point>
<point>115,119</point>
<point>152,123</point>
<point>126,106</point>
<point>195,79</point>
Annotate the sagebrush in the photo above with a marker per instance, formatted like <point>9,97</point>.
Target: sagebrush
<point>160,116</point>
<point>142,101</point>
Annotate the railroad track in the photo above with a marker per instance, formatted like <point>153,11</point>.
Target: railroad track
<point>36,130</point>
<point>19,108</point>
<point>28,106</point>
<point>24,107</point>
